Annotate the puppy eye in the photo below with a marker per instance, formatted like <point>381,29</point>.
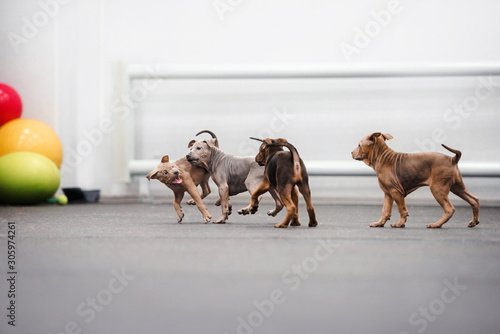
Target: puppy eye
<point>198,148</point>
<point>165,172</point>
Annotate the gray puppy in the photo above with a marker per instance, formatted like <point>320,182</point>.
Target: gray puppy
<point>231,174</point>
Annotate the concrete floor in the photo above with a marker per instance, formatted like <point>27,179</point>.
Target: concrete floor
<point>130,268</point>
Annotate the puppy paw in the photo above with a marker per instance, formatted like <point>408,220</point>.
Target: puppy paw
<point>281,225</point>
<point>434,225</point>
<point>219,221</point>
<point>272,213</point>
<point>398,225</point>
<point>244,211</point>
<point>207,218</point>
<point>313,224</point>
<point>295,223</point>
<point>473,223</point>
<point>217,203</point>
<point>191,202</point>
<point>377,224</point>
<point>254,209</point>
<point>179,217</point>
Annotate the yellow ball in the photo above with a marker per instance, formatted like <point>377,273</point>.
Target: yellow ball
<point>30,135</point>
<point>27,178</point>
<point>62,200</point>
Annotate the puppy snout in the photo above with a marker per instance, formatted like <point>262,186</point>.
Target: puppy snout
<point>176,172</point>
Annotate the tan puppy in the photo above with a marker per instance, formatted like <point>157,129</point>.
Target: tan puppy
<point>283,171</point>
<point>181,176</point>
<point>400,174</point>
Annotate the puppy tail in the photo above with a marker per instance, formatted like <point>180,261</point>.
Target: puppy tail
<point>297,169</point>
<point>216,141</point>
<point>457,156</point>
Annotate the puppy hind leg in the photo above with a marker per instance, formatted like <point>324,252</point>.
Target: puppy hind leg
<point>285,195</point>
<point>306,193</point>
<point>440,193</point>
<point>460,190</point>
<point>295,199</point>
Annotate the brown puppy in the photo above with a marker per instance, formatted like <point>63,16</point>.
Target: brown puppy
<point>400,173</point>
<point>181,176</point>
<point>283,171</point>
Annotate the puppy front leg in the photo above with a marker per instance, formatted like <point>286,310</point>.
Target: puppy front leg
<point>403,211</point>
<point>224,200</point>
<point>386,211</point>
<point>205,189</point>
<point>278,205</point>
<point>257,194</point>
<point>177,205</point>
<point>252,186</point>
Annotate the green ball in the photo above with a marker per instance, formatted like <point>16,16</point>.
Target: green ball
<point>62,200</point>
<point>27,178</point>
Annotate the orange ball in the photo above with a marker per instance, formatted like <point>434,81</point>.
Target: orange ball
<point>30,135</point>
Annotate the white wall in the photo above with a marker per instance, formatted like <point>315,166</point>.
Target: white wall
<point>66,71</point>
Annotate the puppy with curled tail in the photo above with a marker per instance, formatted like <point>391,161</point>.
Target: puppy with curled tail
<point>283,171</point>
<point>399,174</point>
<point>232,174</point>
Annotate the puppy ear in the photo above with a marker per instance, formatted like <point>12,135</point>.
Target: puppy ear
<point>191,143</point>
<point>374,135</point>
<point>214,142</point>
<point>164,159</point>
<point>267,141</point>
<point>211,143</point>
<point>385,136</point>
<point>152,174</point>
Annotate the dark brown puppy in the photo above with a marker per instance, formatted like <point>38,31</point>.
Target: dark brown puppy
<point>283,171</point>
<point>400,173</point>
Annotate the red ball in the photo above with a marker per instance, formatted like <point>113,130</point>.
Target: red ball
<point>11,106</point>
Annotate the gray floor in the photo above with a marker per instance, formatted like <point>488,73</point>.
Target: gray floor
<point>130,268</point>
